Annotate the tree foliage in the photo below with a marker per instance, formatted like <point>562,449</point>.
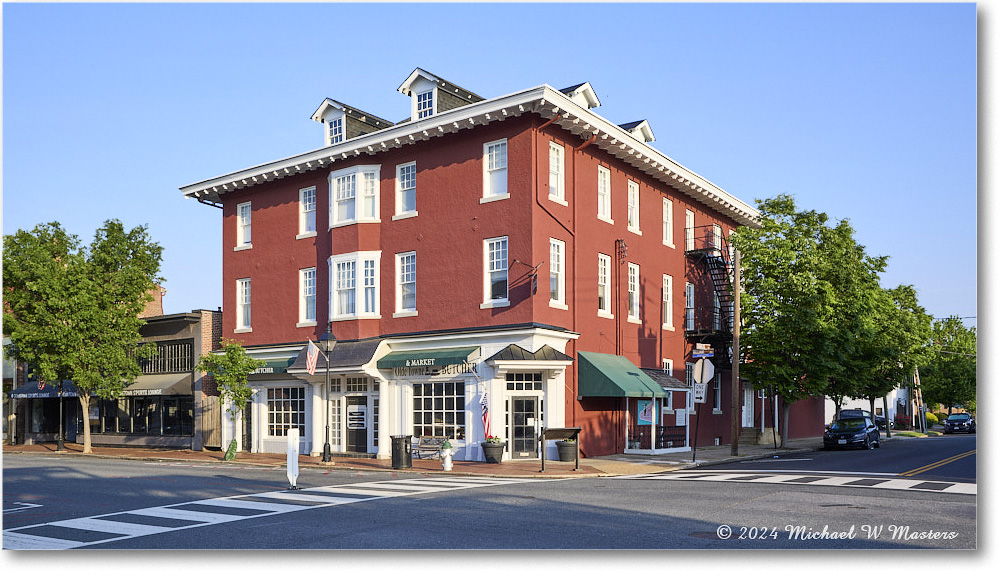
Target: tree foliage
<point>231,368</point>
<point>72,313</point>
<point>949,376</point>
<point>807,291</point>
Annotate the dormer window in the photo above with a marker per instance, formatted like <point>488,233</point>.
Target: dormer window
<point>335,130</point>
<point>425,104</point>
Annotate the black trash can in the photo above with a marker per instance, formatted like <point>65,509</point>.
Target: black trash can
<point>402,452</point>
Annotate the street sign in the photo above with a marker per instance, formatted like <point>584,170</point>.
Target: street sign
<point>703,370</point>
<point>708,354</point>
<point>700,392</point>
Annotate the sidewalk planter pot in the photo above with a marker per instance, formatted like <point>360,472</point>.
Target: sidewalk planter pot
<point>493,451</point>
<point>567,450</point>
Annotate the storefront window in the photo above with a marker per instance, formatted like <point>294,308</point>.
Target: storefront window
<point>286,409</point>
<point>439,410</point>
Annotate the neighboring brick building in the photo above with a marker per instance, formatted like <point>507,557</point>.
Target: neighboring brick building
<point>504,250</point>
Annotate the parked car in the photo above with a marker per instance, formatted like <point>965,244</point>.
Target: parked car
<point>960,423</point>
<point>858,432</point>
<point>859,413</point>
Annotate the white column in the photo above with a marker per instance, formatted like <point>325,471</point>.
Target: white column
<point>318,426</point>
<point>385,405</point>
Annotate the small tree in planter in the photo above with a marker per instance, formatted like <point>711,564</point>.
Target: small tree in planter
<point>230,370</point>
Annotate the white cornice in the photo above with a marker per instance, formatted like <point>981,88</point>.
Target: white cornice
<point>544,100</point>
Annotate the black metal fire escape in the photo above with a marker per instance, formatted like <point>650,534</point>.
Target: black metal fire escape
<point>708,249</point>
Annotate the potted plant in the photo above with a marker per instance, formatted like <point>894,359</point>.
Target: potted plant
<point>566,449</point>
<point>493,448</point>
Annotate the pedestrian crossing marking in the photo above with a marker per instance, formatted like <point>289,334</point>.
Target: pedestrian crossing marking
<point>802,479</point>
<point>122,525</point>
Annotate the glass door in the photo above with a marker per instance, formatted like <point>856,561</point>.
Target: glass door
<point>524,427</point>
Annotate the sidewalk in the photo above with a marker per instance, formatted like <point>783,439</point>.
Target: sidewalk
<point>603,466</point>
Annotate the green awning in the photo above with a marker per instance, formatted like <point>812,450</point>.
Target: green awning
<point>430,358</point>
<point>607,375</point>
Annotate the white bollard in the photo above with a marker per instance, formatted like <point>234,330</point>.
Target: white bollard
<point>293,457</point>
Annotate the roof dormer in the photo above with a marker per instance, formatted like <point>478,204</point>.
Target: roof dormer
<point>430,94</point>
<point>639,130</point>
<point>342,122</point>
<point>583,95</point>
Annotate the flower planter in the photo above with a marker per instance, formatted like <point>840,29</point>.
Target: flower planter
<point>567,450</point>
<point>493,451</point>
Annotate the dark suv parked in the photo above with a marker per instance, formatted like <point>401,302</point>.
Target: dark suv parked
<point>960,423</point>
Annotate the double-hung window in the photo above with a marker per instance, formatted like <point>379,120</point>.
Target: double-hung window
<point>668,222</point>
<point>406,190</point>
<point>717,393</point>
<point>243,305</point>
<point>557,173</point>
<point>335,130</point>
<point>633,207</point>
<point>633,292</point>
<point>668,302</point>
<point>243,214</point>
<point>494,170</point>
<point>425,104</point>
<point>406,284</point>
<point>604,194</point>
<point>307,212</point>
<point>688,306</point>
<point>354,286</point>
<point>604,285</point>
<point>495,279</point>
<point>557,274</point>
<point>689,230</point>
<point>354,195</point>
<point>307,298</point>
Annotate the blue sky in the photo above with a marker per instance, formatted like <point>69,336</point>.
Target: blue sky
<point>864,111</point>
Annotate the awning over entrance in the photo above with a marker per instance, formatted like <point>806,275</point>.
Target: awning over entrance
<point>606,375</point>
<point>160,385</point>
<point>665,380</point>
<point>421,358</point>
<point>50,390</point>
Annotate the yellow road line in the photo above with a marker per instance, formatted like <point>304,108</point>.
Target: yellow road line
<point>937,464</point>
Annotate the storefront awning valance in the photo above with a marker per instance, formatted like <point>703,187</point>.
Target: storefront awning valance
<point>50,390</point>
<point>160,385</point>
<point>428,358</point>
<point>606,375</point>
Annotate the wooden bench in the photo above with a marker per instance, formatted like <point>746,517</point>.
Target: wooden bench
<point>427,447</point>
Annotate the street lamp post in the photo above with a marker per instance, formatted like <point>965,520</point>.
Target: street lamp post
<point>326,343</point>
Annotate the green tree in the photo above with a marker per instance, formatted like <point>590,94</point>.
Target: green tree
<point>805,292</point>
<point>949,376</point>
<point>73,313</point>
<point>231,368</point>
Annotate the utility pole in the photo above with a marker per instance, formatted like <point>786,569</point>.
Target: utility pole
<point>735,400</point>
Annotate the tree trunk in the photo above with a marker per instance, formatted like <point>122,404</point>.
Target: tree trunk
<point>85,406</point>
<point>785,409</point>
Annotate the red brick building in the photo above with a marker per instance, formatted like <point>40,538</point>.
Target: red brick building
<point>469,254</point>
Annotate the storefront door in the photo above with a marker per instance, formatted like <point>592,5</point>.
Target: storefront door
<point>748,400</point>
<point>357,424</point>
<point>524,427</point>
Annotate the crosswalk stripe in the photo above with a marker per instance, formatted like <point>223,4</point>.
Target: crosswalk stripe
<point>806,479</point>
<point>317,497</point>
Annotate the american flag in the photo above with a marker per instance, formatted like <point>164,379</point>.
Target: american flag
<point>312,354</point>
<point>486,414</point>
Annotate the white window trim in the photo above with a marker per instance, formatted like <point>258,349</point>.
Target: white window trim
<point>329,131</point>
<point>303,234</point>
<point>560,301</point>
<point>668,222</point>
<point>688,304</point>
<point>240,327</point>
<point>303,321</point>
<point>633,191</point>
<point>668,366</point>
<point>489,302</point>
<point>400,311</point>
<point>634,318</point>
<point>559,196</point>
<point>241,243</point>
<point>400,214</point>
<point>688,230</point>
<point>606,204</point>
<point>487,185</point>
<point>604,312</point>
<point>358,171</point>
<point>434,101</point>
<point>359,258</point>
<point>668,302</point>
<point>717,393</point>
